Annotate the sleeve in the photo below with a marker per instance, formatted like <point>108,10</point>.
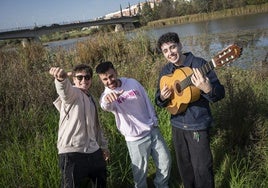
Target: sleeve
<point>57,103</point>
<point>158,100</point>
<point>217,92</point>
<point>103,141</point>
<point>66,91</point>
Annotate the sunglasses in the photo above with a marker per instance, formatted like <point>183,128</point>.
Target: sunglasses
<point>80,77</point>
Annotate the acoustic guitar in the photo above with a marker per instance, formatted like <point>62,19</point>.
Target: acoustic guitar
<point>184,92</point>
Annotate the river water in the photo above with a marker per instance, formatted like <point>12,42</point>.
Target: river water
<point>207,38</point>
<point>223,25</point>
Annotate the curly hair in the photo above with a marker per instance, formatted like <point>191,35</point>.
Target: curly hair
<point>167,37</point>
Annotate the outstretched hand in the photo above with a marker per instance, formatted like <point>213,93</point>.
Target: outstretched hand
<point>111,97</point>
<point>58,73</point>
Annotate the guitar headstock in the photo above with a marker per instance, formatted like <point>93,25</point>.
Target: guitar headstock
<point>227,55</point>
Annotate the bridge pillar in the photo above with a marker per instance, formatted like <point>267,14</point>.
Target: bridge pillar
<point>124,27</point>
<point>24,42</point>
<point>119,27</point>
<point>27,41</point>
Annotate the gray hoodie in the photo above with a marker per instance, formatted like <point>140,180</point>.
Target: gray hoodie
<point>79,128</point>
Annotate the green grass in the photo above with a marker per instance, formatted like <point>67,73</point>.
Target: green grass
<point>29,122</point>
<point>29,157</point>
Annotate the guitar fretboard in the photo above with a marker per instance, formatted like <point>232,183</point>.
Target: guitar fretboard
<point>204,70</point>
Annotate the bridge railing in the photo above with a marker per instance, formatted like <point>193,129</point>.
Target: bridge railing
<point>34,32</point>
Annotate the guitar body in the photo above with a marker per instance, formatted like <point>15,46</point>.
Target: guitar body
<point>184,92</point>
<point>180,98</point>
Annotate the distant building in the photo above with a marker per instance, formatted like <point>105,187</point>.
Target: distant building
<point>131,10</point>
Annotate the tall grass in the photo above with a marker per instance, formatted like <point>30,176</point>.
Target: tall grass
<point>29,157</point>
<point>29,122</point>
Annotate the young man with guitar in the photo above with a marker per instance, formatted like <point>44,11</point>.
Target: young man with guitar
<point>186,86</point>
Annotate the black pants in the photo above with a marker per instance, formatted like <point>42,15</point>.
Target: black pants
<point>194,158</point>
<point>80,169</point>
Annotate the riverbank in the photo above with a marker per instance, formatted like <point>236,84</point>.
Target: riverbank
<point>251,9</point>
<point>58,36</point>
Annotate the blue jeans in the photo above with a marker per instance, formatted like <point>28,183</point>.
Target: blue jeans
<point>151,145</point>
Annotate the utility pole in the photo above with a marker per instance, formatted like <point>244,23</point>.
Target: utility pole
<point>130,14</point>
<point>121,11</point>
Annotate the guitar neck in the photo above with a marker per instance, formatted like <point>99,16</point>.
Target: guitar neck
<point>227,55</point>
<point>204,70</point>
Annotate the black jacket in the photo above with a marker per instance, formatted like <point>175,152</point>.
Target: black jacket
<point>197,115</point>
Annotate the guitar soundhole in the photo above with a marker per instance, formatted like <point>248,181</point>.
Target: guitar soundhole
<point>177,87</point>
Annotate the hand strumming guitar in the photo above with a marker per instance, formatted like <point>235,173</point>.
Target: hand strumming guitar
<point>200,81</point>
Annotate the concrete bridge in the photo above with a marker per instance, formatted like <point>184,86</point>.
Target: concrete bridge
<point>35,33</point>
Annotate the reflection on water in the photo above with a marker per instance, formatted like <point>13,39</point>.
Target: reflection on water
<point>223,25</point>
<point>206,39</point>
<point>254,44</point>
<point>67,44</point>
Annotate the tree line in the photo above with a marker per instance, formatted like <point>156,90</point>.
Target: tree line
<point>170,8</point>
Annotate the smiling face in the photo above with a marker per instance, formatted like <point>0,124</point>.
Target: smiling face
<point>109,79</point>
<point>82,80</point>
<point>172,52</point>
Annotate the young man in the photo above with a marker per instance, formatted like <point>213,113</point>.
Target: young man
<point>190,127</point>
<point>81,145</point>
<point>137,122</point>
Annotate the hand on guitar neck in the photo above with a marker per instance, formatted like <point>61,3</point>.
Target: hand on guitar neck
<point>184,85</point>
<point>200,81</point>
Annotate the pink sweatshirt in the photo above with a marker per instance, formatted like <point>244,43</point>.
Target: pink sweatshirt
<point>133,111</point>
